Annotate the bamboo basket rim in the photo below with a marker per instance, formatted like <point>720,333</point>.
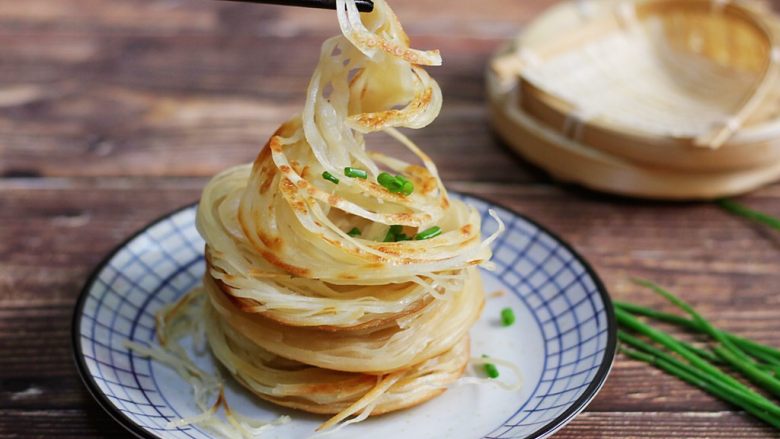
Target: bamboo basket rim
<point>731,130</point>
<point>606,173</point>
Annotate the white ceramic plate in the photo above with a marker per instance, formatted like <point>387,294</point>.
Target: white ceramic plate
<point>563,341</point>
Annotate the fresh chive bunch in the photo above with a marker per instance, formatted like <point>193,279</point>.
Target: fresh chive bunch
<point>701,367</point>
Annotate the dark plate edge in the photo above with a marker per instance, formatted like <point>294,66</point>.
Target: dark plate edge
<point>549,428</point>
<point>77,349</point>
<point>610,349</point>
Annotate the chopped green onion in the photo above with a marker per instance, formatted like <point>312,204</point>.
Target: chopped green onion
<point>330,177</point>
<point>397,185</point>
<point>407,188</point>
<point>394,234</point>
<point>354,232</point>
<point>428,233</point>
<point>389,182</point>
<point>355,172</point>
<point>490,369</point>
<point>385,179</point>
<point>507,317</point>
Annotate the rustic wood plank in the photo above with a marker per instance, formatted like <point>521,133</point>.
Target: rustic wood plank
<point>164,125</point>
<point>86,421</point>
<point>663,425</point>
<point>195,86</point>
<point>163,17</point>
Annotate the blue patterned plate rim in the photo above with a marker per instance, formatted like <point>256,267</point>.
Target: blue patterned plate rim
<point>564,418</point>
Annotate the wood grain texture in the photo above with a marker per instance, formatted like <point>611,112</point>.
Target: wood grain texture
<point>113,113</point>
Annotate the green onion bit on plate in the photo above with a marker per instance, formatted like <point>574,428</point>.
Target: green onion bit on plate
<point>490,369</point>
<point>507,317</point>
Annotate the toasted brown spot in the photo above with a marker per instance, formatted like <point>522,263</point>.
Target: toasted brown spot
<point>288,186</point>
<point>264,154</point>
<point>275,145</point>
<point>274,243</point>
<point>333,242</point>
<point>468,241</point>
<point>299,206</point>
<point>347,276</point>
<point>389,250</point>
<point>303,184</point>
<point>285,169</point>
<point>466,230</point>
<point>292,269</point>
<point>358,74</point>
<point>403,217</point>
<point>334,199</point>
<point>296,166</point>
<point>269,178</point>
<point>498,293</point>
<point>337,387</point>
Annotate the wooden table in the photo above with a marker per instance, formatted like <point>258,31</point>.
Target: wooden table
<point>115,112</point>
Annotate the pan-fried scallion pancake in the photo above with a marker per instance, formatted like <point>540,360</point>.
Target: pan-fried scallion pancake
<point>340,280</point>
<point>324,391</point>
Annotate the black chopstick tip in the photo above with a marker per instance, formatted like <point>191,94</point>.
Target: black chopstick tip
<point>362,5</point>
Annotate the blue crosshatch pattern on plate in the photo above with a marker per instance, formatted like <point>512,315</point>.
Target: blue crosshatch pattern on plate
<point>165,260</point>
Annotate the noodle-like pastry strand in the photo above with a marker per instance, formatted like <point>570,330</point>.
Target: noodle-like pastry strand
<point>316,298</point>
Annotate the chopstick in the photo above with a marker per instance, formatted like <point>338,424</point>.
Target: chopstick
<point>362,5</point>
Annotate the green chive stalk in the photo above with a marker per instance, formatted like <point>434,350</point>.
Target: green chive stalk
<point>701,321</point>
<point>686,375</point>
<point>749,346</point>
<point>745,212</point>
<point>629,321</point>
<point>741,390</point>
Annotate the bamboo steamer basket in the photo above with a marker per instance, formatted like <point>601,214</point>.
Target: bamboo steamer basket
<point>657,81</point>
<point>570,161</point>
<point>654,98</point>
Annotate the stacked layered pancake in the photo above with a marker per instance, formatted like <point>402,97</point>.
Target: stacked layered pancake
<point>329,289</point>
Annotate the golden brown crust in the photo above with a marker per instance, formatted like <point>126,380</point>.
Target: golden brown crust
<point>398,402</point>
<point>385,321</point>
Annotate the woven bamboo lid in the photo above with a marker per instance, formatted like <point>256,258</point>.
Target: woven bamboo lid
<point>653,98</point>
